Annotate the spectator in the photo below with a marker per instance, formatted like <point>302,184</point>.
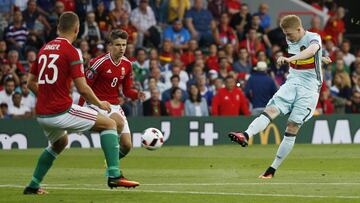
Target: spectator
<point>143,19</point>
<point>175,83</point>
<point>155,73</point>
<point>13,59</point>
<point>240,20</point>
<point>341,92</point>
<point>339,67</point>
<point>355,103</point>
<point>7,8</point>
<point>28,99</point>
<point>154,106</point>
<point>255,24</point>
<point>17,32</point>
<point>224,67</point>
<point>217,7</point>
<point>316,26</point>
<point>133,108</point>
<point>121,7</point>
<point>141,65</point>
<point>7,92</point>
<point>102,18</point>
<point>325,105</point>
<point>212,60</point>
<point>30,59</point>
<point>178,35</point>
<point>188,56</point>
<point>160,9</point>
<point>278,72</point>
<point>53,19</point>
<point>264,17</point>
<point>205,90</point>
<point>3,51</point>
<point>17,109</point>
<point>224,34</point>
<point>175,106</point>
<point>4,111</point>
<point>199,21</point>
<point>196,105</point>
<point>91,30</point>
<point>260,88</point>
<point>230,100</point>
<point>34,20</point>
<point>252,44</point>
<point>349,58</point>
<point>330,48</point>
<point>129,28</point>
<point>335,27</point>
<point>176,70</point>
<point>177,9</point>
<point>277,37</point>
<point>243,64</point>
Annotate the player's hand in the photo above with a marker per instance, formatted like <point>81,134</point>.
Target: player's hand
<point>282,60</point>
<point>104,105</point>
<point>326,60</point>
<point>141,96</point>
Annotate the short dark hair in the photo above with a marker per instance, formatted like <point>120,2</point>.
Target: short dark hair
<point>174,76</point>
<point>9,79</point>
<point>67,21</point>
<point>118,33</point>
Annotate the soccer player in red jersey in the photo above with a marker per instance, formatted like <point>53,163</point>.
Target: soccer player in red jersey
<point>58,63</point>
<point>107,74</point>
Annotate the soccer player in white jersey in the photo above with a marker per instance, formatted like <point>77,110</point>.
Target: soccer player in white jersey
<point>298,96</point>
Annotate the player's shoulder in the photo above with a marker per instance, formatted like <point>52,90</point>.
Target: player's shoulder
<point>99,59</point>
<point>126,61</point>
<point>312,35</point>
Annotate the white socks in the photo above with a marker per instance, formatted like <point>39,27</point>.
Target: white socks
<point>284,149</point>
<point>259,124</point>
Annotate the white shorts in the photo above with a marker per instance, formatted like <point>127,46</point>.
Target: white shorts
<point>76,119</point>
<point>114,109</point>
<point>297,100</point>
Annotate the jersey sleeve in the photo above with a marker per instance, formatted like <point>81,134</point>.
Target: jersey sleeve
<point>91,74</point>
<point>76,63</point>
<point>315,39</point>
<point>127,85</point>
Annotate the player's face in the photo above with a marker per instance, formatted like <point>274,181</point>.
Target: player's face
<point>118,47</point>
<point>293,35</point>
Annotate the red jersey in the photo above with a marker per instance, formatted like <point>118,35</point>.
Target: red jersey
<point>58,62</point>
<point>105,78</point>
<point>230,103</point>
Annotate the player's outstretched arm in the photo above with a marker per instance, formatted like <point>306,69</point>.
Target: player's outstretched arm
<point>88,94</point>
<point>326,60</point>
<point>305,54</point>
<point>32,83</point>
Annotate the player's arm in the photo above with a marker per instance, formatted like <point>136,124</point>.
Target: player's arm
<point>87,93</point>
<point>326,60</point>
<point>310,51</point>
<point>32,83</point>
<point>129,91</point>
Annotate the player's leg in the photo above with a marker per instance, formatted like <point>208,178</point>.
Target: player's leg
<point>58,140</point>
<point>124,132</point>
<point>284,149</point>
<point>303,109</point>
<point>280,103</point>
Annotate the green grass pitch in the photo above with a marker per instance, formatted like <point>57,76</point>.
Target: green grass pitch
<point>227,173</point>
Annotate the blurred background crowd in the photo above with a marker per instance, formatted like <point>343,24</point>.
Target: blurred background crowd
<point>190,57</point>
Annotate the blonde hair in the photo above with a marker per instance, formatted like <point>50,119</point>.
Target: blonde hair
<point>290,21</point>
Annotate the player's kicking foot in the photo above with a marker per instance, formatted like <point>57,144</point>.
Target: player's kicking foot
<point>121,182</point>
<point>269,173</point>
<point>34,191</point>
<point>241,138</point>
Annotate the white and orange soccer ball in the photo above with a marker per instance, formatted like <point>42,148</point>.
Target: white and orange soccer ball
<point>152,139</point>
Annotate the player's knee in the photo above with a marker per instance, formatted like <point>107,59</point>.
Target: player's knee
<point>60,144</point>
<point>272,112</point>
<point>120,125</point>
<point>110,124</point>
<point>292,128</point>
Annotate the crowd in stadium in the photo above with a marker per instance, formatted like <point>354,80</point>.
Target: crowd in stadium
<point>190,57</point>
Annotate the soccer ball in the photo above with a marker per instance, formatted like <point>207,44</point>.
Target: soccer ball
<point>152,139</point>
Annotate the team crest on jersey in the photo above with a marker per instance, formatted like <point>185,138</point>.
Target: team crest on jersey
<point>302,48</point>
<point>122,73</point>
<point>89,74</point>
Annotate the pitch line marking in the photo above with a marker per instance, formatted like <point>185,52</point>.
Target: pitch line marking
<point>193,192</point>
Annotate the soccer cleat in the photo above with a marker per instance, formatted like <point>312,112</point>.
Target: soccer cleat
<point>240,138</point>
<point>121,182</point>
<point>269,173</point>
<point>34,191</point>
